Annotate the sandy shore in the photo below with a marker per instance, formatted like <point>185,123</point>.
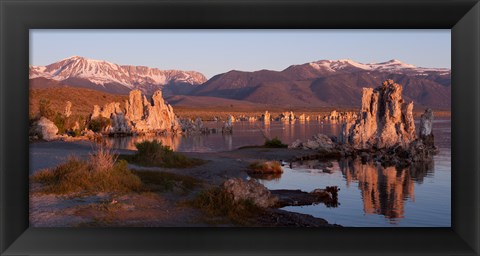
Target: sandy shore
<point>150,209</point>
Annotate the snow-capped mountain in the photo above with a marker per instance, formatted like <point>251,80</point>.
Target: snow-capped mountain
<point>104,75</point>
<point>330,82</point>
<point>326,67</point>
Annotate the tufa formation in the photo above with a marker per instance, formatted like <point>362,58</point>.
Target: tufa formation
<point>139,115</point>
<point>385,120</point>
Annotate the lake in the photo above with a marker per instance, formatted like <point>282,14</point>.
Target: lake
<point>369,196</point>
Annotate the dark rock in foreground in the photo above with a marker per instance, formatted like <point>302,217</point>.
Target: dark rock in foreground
<point>328,196</point>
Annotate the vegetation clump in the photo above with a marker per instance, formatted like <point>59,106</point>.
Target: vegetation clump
<point>72,125</point>
<point>153,153</point>
<point>98,124</point>
<point>265,167</point>
<point>274,143</point>
<point>99,173</point>
<point>217,201</point>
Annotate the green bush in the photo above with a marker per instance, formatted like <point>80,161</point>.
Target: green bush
<point>98,124</point>
<point>274,143</point>
<point>153,153</point>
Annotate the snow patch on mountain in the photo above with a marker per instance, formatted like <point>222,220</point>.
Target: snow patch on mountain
<point>102,72</point>
<point>390,66</point>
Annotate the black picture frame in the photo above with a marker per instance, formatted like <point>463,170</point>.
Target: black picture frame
<point>18,16</point>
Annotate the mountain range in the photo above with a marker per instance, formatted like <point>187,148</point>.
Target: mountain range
<point>109,77</point>
<point>324,83</point>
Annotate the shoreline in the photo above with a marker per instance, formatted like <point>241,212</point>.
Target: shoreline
<point>165,209</point>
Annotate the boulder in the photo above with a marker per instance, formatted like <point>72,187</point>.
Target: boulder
<point>324,141</point>
<point>310,144</point>
<point>385,119</point>
<point>250,190</point>
<point>318,142</point>
<point>45,129</point>
<point>296,144</point>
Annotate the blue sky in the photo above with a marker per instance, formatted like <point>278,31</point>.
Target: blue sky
<point>217,51</point>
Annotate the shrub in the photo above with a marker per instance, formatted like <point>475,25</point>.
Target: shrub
<point>153,153</point>
<point>98,124</point>
<point>218,202</point>
<point>265,167</point>
<point>274,143</point>
<point>61,122</point>
<point>45,109</point>
<point>99,173</point>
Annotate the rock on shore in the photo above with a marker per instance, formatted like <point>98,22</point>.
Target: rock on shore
<point>45,129</point>
<point>250,190</point>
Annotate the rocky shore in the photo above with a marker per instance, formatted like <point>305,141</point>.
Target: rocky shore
<point>167,209</point>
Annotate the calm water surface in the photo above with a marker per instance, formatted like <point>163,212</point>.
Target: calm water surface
<point>370,195</point>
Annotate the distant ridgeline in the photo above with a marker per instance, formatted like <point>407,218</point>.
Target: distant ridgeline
<point>324,83</point>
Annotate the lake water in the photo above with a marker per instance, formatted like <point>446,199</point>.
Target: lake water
<point>369,196</point>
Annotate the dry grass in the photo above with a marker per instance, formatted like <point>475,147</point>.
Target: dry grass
<point>99,173</point>
<point>266,167</point>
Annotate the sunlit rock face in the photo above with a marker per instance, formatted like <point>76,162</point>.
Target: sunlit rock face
<point>139,115</point>
<point>385,119</point>
<point>106,111</point>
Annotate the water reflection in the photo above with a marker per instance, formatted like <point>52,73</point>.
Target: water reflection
<point>228,141</point>
<point>384,190</point>
<point>129,142</point>
<point>244,134</point>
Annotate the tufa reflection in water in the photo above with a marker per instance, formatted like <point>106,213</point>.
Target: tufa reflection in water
<point>384,190</point>
<point>128,142</point>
